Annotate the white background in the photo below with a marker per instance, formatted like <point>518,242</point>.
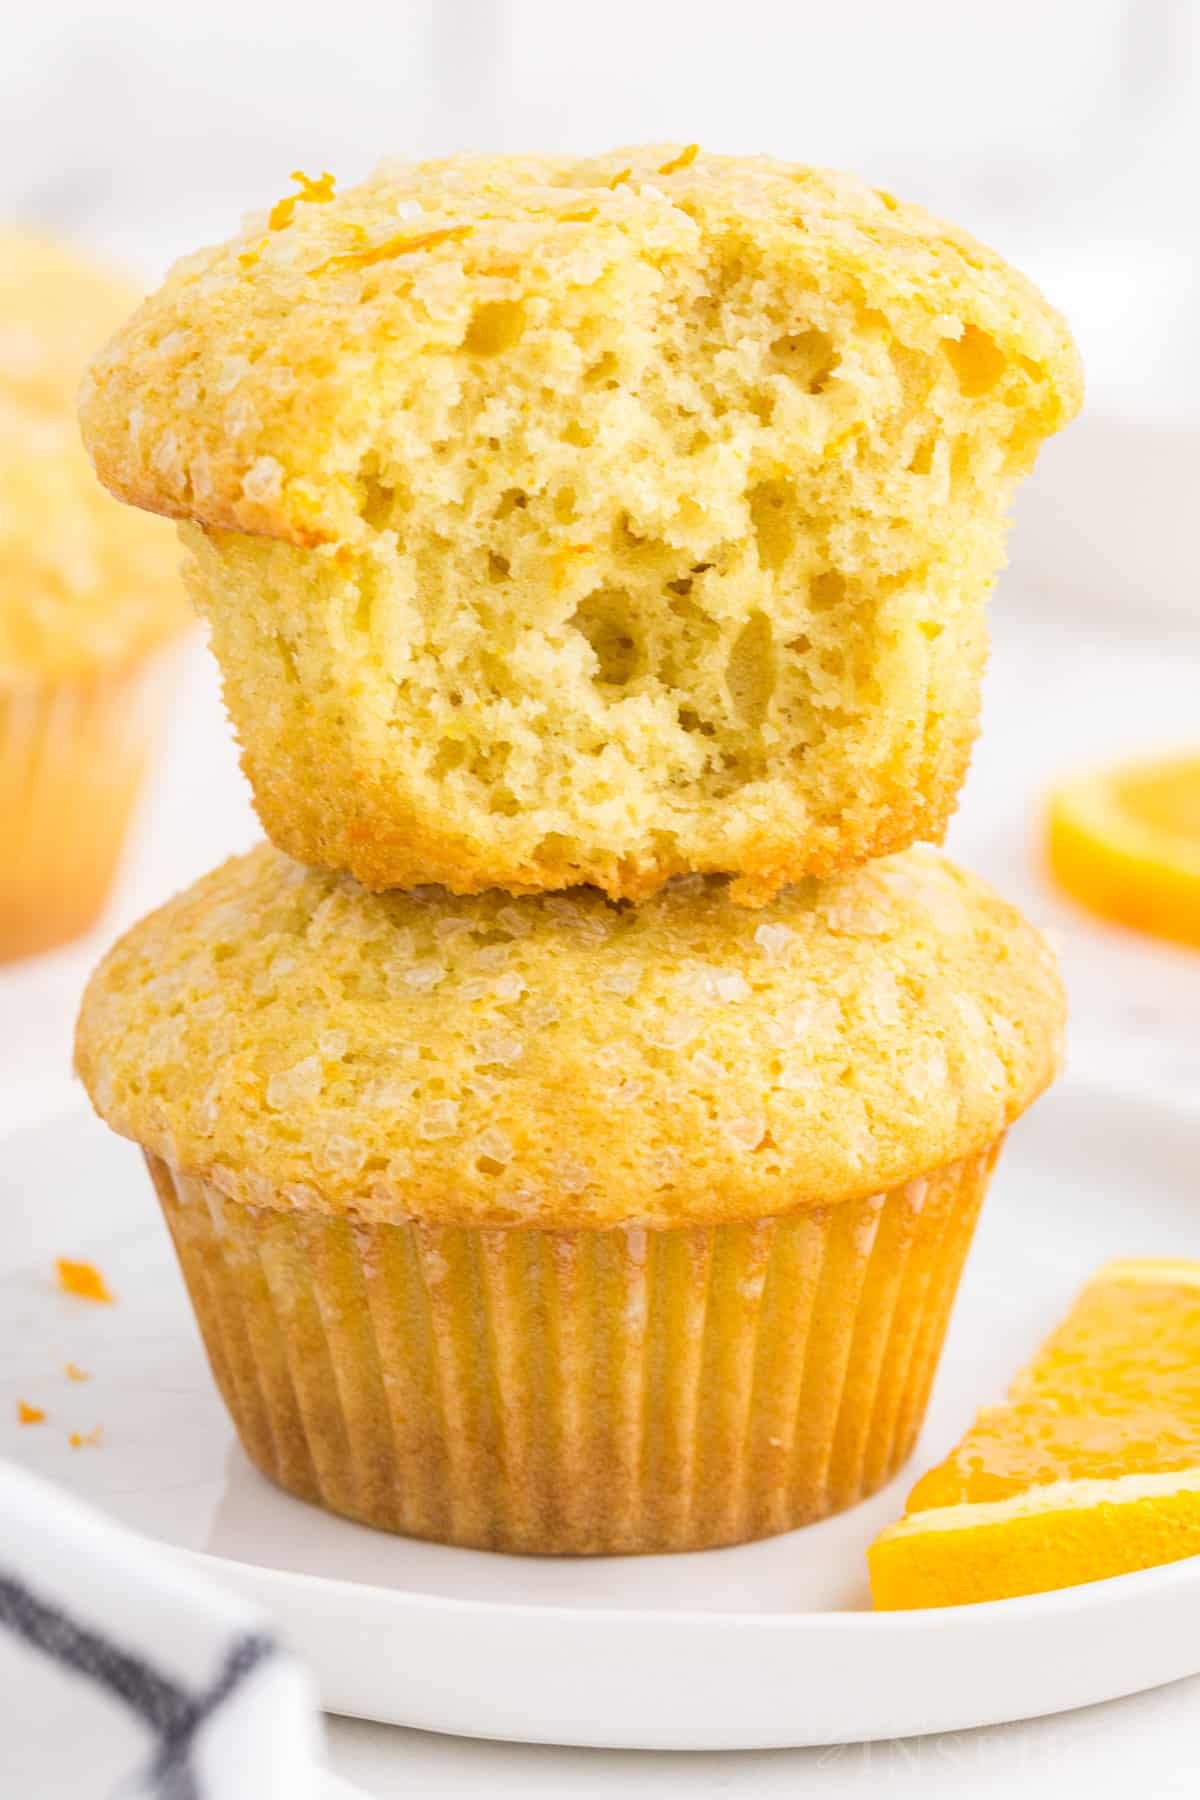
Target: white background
<point>1067,133</point>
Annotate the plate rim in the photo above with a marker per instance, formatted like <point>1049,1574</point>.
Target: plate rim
<point>1133,1585</point>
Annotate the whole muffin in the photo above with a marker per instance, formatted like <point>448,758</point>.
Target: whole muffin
<point>89,598</point>
<point>591,521</point>
<point>553,1225</point>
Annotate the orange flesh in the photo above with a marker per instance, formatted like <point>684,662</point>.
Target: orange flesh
<point>1115,1391</point>
<point>1167,798</point>
<point>1091,1468</point>
<point>1126,844</point>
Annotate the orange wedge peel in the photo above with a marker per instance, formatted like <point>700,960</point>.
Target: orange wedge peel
<point>1125,843</point>
<point>1090,1468</point>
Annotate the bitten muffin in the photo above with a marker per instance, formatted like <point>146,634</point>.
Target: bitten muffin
<point>553,1225</point>
<point>90,597</point>
<point>591,521</point>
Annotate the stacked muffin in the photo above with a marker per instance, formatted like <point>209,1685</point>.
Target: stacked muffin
<point>576,1148</point>
<point>91,595</point>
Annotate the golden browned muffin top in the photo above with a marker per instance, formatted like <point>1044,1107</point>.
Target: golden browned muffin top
<point>257,389</point>
<point>561,1061</point>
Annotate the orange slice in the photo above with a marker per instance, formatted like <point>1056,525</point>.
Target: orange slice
<point>1090,1468</point>
<point>1126,844</point>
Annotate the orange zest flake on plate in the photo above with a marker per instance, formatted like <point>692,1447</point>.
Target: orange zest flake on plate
<point>83,1280</point>
<point>75,1373</point>
<point>400,245</point>
<point>29,1415</point>
<point>311,191</point>
<point>86,1440</point>
<point>681,161</point>
<point>1090,1468</point>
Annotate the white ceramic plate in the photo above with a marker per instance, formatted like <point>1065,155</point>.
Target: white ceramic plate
<point>769,1644</point>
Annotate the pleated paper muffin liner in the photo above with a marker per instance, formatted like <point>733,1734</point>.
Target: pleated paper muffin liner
<point>71,759</point>
<point>578,1392</point>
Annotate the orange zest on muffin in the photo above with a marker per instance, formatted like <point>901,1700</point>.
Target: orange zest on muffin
<point>685,158</point>
<point>311,192</point>
<point>403,244</point>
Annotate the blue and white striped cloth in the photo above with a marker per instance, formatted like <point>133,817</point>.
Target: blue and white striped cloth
<point>224,1713</point>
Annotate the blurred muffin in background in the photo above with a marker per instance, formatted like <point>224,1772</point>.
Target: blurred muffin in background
<point>89,600</point>
<point>55,311</point>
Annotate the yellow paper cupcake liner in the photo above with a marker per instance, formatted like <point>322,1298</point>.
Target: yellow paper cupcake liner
<point>578,1392</point>
<point>71,761</point>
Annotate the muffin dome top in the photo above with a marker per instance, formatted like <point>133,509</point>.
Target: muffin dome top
<point>276,382</point>
<point>560,1061</point>
<point>84,584</point>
